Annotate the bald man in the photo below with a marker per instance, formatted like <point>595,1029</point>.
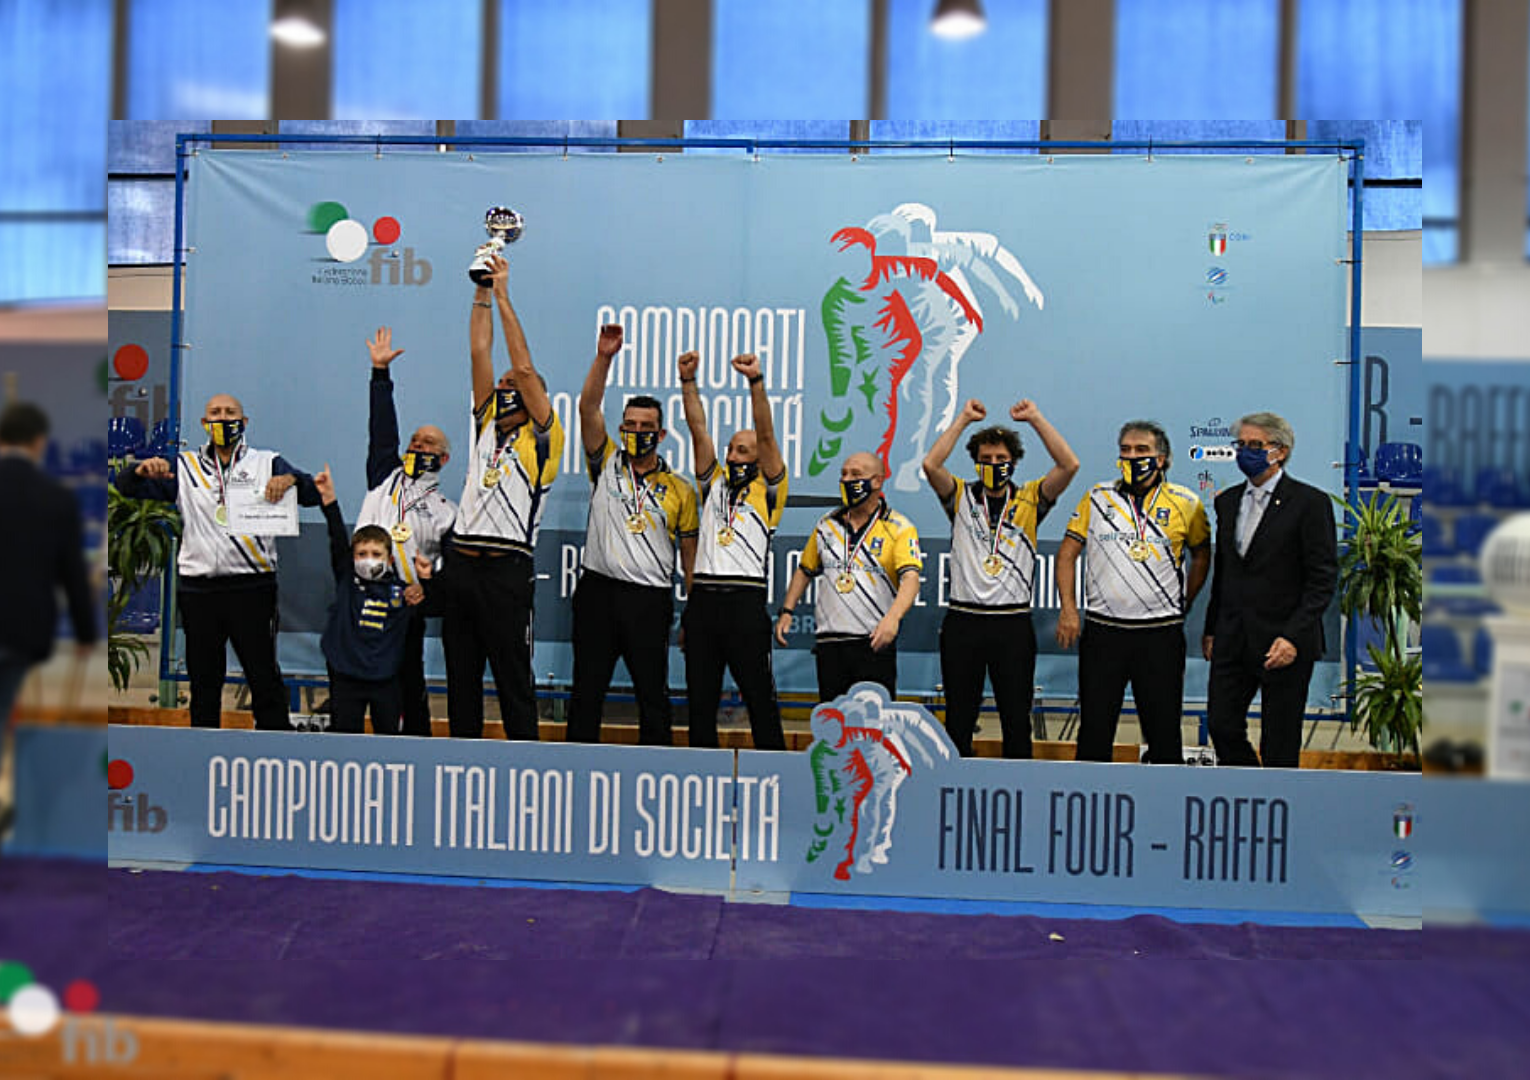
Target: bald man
<point>404,498</point>
<point>226,588</point>
<point>868,557</point>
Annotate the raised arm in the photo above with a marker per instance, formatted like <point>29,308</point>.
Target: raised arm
<point>704,450</point>
<point>481,345</point>
<point>935,469</point>
<point>340,560</point>
<point>772,465</point>
<point>1064,460</point>
<point>382,420</point>
<point>533,393</point>
<point>592,399</point>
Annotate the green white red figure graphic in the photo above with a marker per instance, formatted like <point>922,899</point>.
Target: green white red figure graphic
<point>897,332</point>
<point>861,754</point>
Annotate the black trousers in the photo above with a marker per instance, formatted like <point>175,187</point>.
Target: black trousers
<point>349,700</point>
<point>245,618</point>
<point>1152,659</point>
<point>619,620</point>
<point>1237,674</point>
<point>486,602</point>
<point>1002,647</point>
<point>730,628</point>
<point>411,679</point>
<point>842,664</point>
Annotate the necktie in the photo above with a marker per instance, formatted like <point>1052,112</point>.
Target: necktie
<point>1248,521</point>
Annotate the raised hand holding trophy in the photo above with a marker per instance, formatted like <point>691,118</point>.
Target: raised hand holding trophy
<point>504,227</point>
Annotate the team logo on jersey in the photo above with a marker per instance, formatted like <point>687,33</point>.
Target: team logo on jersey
<point>1162,514</point>
<point>864,747</point>
<point>874,545</point>
<point>905,308</point>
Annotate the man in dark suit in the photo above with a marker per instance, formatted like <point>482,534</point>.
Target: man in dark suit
<point>44,552</point>
<point>1274,573</point>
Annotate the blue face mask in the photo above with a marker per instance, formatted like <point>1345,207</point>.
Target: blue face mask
<point>639,444</point>
<point>854,492</point>
<point>1253,462</point>
<point>1138,472</point>
<point>506,402</point>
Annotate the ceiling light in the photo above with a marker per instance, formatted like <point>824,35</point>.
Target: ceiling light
<point>298,32</point>
<point>958,19</point>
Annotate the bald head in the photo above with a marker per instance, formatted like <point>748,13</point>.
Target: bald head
<point>223,407</point>
<point>431,440</point>
<point>862,466</point>
<point>743,448</point>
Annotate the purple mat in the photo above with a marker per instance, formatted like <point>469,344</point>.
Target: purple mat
<point>1137,994</point>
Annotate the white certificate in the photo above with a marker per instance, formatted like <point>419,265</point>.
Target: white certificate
<point>250,513</point>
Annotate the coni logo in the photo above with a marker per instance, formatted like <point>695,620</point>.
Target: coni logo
<point>33,1011</point>
<point>347,240</point>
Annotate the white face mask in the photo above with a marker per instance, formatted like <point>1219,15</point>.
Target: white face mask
<point>371,569</point>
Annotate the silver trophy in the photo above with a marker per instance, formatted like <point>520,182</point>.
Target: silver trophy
<point>504,226</point>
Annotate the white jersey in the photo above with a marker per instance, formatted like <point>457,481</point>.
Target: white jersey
<point>994,574</point>
<point>416,503</point>
<point>209,549</point>
<point>746,520</point>
<point>507,484</point>
<point>858,575</point>
<point>661,509</point>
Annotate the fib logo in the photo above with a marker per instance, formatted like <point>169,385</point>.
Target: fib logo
<point>348,240</point>
<point>125,811</point>
<point>33,1011</point>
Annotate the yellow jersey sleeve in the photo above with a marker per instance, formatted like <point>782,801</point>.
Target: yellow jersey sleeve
<point>904,554</point>
<point>950,504</point>
<point>687,519</point>
<point>597,460</point>
<point>773,501</point>
<point>704,480</point>
<point>1078,524</point>
<point>810,562</point>
<point>1198,529</point>
<point>540,450</point>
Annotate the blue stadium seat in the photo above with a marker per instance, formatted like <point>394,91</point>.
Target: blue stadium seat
<point>1400,463</point>
<point>162,440</point>
<point>1459,574</point>
<point>1442,487</point>
<point>124,436</point>
<point>1442,656</point>
<point>1367,632</point>
<point>1436,545</point>
<point>1482,651</point>
<point>1472,530</point>
<point>1498,487</point>
<point>1361,458</point>
<point>92,500</point>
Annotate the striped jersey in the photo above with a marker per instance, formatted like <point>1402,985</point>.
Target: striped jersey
<point>661,508</point>
<point>419,505</point>
<point>745,519</point>
<point>858,574</point>
<point>1119,589</point>
<point>507,483</point>
<point>207,548</point>
<point>1007,589</point>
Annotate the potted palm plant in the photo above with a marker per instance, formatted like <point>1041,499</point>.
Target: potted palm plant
<point>141,536</point>
<point>1381,578</point>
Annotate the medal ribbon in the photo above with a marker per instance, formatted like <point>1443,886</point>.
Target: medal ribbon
<point>405,507</point>
<point>219,473</point>
<point>981,517</point>
<point>859,543</point>
<point>640,493</point>
<point>1139,521</point>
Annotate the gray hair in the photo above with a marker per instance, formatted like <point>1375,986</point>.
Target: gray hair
<point>1155,429</point>
<point>1277,427</point>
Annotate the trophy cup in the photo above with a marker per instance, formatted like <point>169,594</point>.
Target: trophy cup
<point>504,226</point>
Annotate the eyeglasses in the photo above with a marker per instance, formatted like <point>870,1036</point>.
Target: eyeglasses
<point>1254,444</point>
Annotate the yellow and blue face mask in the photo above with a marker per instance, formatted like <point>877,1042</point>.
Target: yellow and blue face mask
<point>418,462</point>
<point>507,402</point>
<point>854,492</point>
<point>224,432</point>
<point>994,475</point>
<point>1138,472</point>
<point>639,444</point>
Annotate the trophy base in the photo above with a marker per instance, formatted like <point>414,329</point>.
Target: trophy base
<point>482,278</point>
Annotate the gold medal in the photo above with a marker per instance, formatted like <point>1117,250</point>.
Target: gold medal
<point>1140,551</point>
<point>845,582</point>
<point>402,532</point>
<point>993,565</point>
<point>490,478</point>
<point>220,515</point>
<point>725,537</point>
<point>637,523</point>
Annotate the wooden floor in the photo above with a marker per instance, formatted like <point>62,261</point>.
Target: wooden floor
<point>188,1050</point>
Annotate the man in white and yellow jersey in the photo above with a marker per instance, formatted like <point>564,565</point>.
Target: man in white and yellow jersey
<point>1141,532</point>
<point>404,499</point>
<point>866,558</point>
<point>486,587</point>
<point>225,581</point>
<point>642,515</point>
<point>725,620</point>
<point>987,628</point>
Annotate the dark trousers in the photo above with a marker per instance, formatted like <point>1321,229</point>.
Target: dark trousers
<point>842,664</point>
<point>245,618</point>
<point>619,620</point>
<point>1152,659</point>
<point>349,700</point>
<point>1237,674</point>
<point>411,679</point>
<point>730,628</point>
<point>1002,647</point>
<point>486,603</point>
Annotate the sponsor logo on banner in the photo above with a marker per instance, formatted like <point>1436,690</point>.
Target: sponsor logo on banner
<point>33,1011</point>
<point>125,811</point>
<point>1213,453</point>
<point>865,746</point>
<point>901,317</point>
<point>1216,275</point>
<point>1402,821</point>
<point>347,240</point>
<point>1211,428</point>
<point>1216,239</point>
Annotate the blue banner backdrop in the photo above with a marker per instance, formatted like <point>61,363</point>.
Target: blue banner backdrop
<point>879,292</point>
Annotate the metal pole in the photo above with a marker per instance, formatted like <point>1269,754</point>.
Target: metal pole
<point>1351,466</point>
